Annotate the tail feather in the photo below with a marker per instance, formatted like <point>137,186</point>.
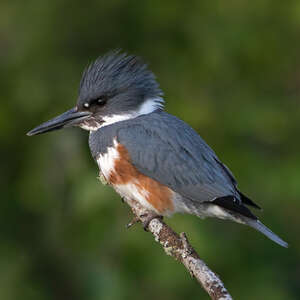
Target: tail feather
<point>256,224</point>
<point>238,212</point>
<point>248,201</point>
<point>231,204</point>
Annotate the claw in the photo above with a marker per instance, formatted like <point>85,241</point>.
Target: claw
<point>132,222</point>
<point>147,218</point>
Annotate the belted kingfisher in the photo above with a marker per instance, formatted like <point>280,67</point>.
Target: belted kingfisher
<point>146,154</point>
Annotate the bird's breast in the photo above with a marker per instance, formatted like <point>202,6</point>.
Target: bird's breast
<point>116,167</point>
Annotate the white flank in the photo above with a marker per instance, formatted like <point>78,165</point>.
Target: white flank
<point>217,211</point>
<point>180,204</point>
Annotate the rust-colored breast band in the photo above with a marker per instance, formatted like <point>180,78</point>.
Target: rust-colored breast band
<point>158,195</point>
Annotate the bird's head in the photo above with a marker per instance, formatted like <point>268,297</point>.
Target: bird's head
<point>115,87</point>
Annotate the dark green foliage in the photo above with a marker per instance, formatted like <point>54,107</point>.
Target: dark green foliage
<point>228,68</point>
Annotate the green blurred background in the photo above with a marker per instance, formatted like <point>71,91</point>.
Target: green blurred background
<point>229,68</point>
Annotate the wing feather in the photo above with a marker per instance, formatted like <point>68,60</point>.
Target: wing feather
<point>166,149</point>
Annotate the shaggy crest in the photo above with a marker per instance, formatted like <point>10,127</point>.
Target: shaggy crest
<point>117,73</point>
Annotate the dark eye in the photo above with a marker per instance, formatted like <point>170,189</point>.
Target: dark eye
<point>100,101</point>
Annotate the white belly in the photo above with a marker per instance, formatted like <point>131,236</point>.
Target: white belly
<point>132,191</point>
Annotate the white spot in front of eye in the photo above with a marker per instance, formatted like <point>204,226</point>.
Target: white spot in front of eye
<point>86,105</point>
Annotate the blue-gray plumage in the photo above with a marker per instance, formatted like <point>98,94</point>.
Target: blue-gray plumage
<point>166,149</point>
<point>147,154</point>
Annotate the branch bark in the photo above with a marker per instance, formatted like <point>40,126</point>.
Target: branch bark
<point>179,247</point>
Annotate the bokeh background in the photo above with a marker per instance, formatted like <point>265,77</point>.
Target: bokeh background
<point>229,68</point>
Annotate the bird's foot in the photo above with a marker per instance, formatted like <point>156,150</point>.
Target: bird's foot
<point>134,220</point>
<point>147,218</point>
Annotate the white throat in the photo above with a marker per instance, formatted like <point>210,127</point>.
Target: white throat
<point>147,107</point>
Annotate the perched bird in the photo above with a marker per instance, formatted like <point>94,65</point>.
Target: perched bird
<point>146,154</point>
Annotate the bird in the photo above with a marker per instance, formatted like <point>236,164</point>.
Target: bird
<point>147,154</point>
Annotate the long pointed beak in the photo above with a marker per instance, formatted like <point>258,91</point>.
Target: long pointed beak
<point>69,118</point>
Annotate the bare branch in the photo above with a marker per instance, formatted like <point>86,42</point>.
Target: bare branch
<point>179,247</point>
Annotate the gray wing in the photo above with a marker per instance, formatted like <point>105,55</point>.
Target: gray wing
<point>166,149</point>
